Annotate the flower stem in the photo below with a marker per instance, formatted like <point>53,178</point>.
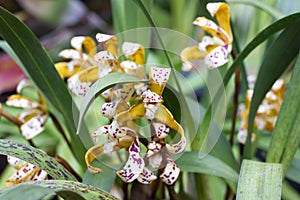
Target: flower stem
<point>68,167</point>
<point>11,118</point>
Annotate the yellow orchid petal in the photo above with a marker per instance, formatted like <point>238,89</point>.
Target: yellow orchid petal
<point>109,42</point>
<point>24,174</point>
<point>134,51</point>
<point>86,42</point>
<point>222,13</point>
<point>189,54</point>
<point>100,149</point>
<point>77,87</point>
<point>33,127</point>
<point>63,69</point>
<point>22,84</point>
<point>27,114</point>
<point>19,101</point>
<point>213,29</point>
<point>217,57</point>
<point>163,115</point>
<point>134,165</point>
<point>279,88</point>
<point>135,112</point>
<point>170,173</point>
<point>89,75</point>
<point>133,68</point>
<point>147,176</point>
<point>158,79</point>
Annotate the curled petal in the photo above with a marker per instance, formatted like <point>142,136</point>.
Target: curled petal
<point>158,79</point>
<point>163,115</point>
<point>146,177</point>
<point>21,102</point>
<point>34,126</point>
<point>109,109</point>
<point>134,165</point>
<point>66,70</point>
<point>161,130</point>
<point>217,57</point>
<point>22,84</point>
<point>109,42</point>
<point>213,29</point>
<point>208,43</point>
<point>77,87</point>
<point>27,114</point>
<point>86,42</point>
<point>222,13</point>
<point>134,51</point>
<point>151,97</point>
<point>133,68</point>
<point>171,172</point>
<point>135,112</point>
<point>191,53</point>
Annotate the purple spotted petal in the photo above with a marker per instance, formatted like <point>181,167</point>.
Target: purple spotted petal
<point>161,130</point>
<point>151,97</point>
<point>34,126</point>
<point>134,165</point>
<point>171,172</point>
<point>146,177</point>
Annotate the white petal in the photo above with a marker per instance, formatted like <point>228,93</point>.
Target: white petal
<point>217,57</point>
<point>33,127</point>
<point>130,48</point>
<point>103,37</point>
<point>150,110</point>
<point>77,87</point>
<point>161,130</point>
<point>21,102</point>
<point>22,84</point>
<point>160,75</point>
<point>171,172</point>
<point>213,8</point>
<point>13,161</point>
<point>151,97</point>
<point>134,165</point>
<point>146,177</point>
<point>133,68</point>
<point>155,160</point>
<point>103,130</point>
<point>40,175</point>
<point>76,42</point>
<point>115,130</point>
<point>178,147</point>
<point>109,109</point>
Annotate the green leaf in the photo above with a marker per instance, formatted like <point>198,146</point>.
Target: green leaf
<point>100,86</point>
<point>282,52</point>
<point>190,162</point>
<point>260,5</point>
<point>35,157</point>
<point>103,180</point>
<point>259,181</point>
<point>285,139</point>
<point>66,189</point>
<point>39,67</point>
<point>293,171</point>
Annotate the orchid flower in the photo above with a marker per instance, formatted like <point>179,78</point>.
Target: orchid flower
<point>25,172</point>
<point>35,113</point>
<point>122,133</point>
<point>214,49</point>
<point>267,112</point>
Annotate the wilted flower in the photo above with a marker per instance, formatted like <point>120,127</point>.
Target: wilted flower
<point>25,172</point>
<point>35,113</point>
<point>213,50</point>
<point>122,133</point>
<point>267,112</point>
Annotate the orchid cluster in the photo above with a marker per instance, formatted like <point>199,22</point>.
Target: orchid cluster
<point>123,133</point>
<point>87,66</point>
<point>35,114</point>
<point>267,112</point>
<point>24,172</point>
<point>213,51</point>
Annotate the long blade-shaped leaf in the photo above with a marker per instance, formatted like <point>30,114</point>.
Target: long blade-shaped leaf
<point>259,181</point>
<point>282,52</point>
<point>190,162</point>
<point>285,138</point>
<point>66,189</point>
<point>35,157</point>
<point>39,67</point>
